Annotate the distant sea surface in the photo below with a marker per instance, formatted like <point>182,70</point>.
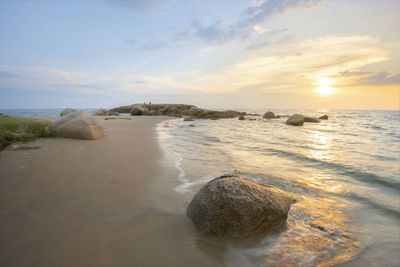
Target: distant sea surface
<point>344,172</point>
<point>47,112</point>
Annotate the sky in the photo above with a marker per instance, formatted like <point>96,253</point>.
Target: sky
<point>299,54</point>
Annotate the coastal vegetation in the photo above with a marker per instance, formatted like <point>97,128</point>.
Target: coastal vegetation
<point>13,129</point>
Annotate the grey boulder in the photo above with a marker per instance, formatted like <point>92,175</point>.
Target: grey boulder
<point>269,115</point>
<point>78,125</point>
<point>295,120</point>
<point>233,206</point>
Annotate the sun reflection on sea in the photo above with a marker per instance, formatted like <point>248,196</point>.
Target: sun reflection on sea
<point>320,143</point>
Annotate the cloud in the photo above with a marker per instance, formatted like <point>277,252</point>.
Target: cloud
<point>246,29</point>
<point>270,37</point>
<point>259,13</point>
<point>252,17</point>
<point>295,67</point>
<point>381,78</point>
<point>154,46</point>
<point>139,5</point>
<point>370,78</point>
<point>212,33</point>
<point>292,69</point>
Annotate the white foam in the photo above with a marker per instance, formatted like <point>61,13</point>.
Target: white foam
<point>178,162</point>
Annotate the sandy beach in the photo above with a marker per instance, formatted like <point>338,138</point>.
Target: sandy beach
<point>103,202</point>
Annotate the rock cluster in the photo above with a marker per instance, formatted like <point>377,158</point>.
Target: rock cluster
<point>78,125</point>
<point>234,206</point>
<point>175,110</point>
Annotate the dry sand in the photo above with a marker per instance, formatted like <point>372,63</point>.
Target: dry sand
<point>106,202</point>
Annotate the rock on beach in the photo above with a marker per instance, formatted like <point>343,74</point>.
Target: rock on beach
<point>66,111</point>
<point>102,112</point>
<point>234,206</point>
<point>78,125</point>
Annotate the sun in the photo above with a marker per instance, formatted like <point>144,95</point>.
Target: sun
<point>324,88</point>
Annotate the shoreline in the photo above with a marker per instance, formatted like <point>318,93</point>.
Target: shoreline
<point>100,202</point>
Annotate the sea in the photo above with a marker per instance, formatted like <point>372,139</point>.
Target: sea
<point>344,173</point>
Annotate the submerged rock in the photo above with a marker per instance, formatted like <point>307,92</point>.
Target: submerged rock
<point>310,119</point>
<point>295,120</point>
<point>269,115</point>
<point>78,125</point>
<point>102,112</point>
<point>324,117</point>
<point>66,111</point>
<point>236,206</point>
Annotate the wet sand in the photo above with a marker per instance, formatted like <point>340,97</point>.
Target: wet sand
<point>106,202</point>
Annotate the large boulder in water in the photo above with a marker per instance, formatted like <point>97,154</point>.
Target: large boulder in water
<point>310,119</point>
<point>269,115</point>
<point>66,111</point>
<point>296,120</point>
<point>78,125</point>
<point>234,206</point>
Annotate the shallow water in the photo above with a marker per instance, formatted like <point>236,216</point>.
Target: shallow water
<point>344,173</point>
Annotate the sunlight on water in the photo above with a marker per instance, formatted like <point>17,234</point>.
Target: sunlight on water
<point>337,168</point>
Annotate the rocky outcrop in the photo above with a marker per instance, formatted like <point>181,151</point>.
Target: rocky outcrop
<point>234,206</point>
<point>241,117</point>
<point>295,120</point>
<point>324,117</point>
<point>66,111</point>
<point>102,112</point>
<point>310,119</point>
<point>176,110</point>
<point>269,115</point>
<point>139,110</point>
<point>78,125</point>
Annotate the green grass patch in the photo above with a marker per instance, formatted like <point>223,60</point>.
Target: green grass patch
<point>15,129</point>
